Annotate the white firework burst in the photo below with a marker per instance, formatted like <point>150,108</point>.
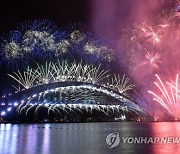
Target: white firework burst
<point>121,84</point>
<point>45,74</point>
<point>77,36</point>
<point>81,72</point>
<point>103,51</point>
<point>90,48</point>
<point>25,79</point>
<point>43,38</point>
<point>63,71</point>
<point>12,50</point>
<point>97,75</point>
<point>62,47</point>
<point>74,72</point>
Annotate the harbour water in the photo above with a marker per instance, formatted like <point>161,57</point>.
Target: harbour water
<point>85,138</point>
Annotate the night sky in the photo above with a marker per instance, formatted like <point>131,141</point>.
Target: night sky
<point>61,12</point>
<point>102,16</point>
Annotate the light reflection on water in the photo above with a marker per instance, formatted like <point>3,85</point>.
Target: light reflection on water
<point>166,130</point>
<point>85,138</point>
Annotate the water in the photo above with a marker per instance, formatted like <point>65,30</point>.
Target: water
<point>84,138</point>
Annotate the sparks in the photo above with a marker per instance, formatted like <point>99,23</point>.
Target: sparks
<point>64,72</point>
<point>169,96</point>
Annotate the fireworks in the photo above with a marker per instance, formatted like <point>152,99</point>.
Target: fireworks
<point>45,74</point>
<point>100,51</point>
<point>64,72</point>
<point>62,47</point>
<point>43,38</point>
<point>152,60</point>
<point>73,88</point>
<point>169,96</point>
<point>76,36</point>
<point>26,80</point>
<point>145,49</point>
<point>90,48</point>
<point>150,48</point>
<point>69,98</point>
<point>150,34</point>
<point>12,50</point>
<point>121,84</point>
<point>70,108</point>
<point>151,45</point>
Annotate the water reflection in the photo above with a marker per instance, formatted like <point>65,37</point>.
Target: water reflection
<point>165,129</point>
<point>7,136</point>
<point>84,138</point>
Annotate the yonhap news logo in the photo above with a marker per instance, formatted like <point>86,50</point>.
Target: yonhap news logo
<point>114,139</point>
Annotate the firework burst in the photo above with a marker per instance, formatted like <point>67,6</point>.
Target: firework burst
<point>121,84</point>
<point>26,80</point>
<point>153,60</point>
<point>43,40</point>
<point>168,96</point>
<point>64,72</point>
<point>150,34</point>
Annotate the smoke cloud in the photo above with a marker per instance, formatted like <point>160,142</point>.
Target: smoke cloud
<point>108,17</point>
